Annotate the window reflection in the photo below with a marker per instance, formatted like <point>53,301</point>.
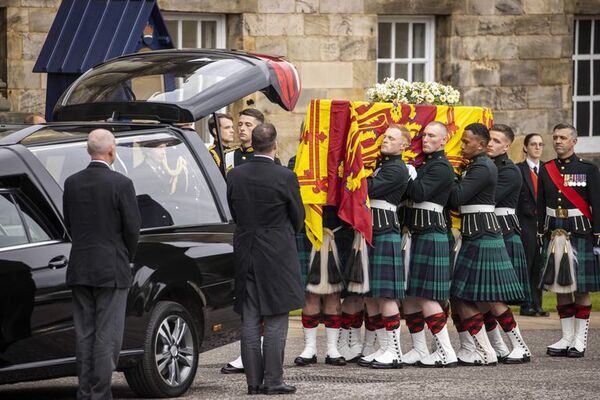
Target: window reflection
<point>170,187</point>
<point>12,232</point>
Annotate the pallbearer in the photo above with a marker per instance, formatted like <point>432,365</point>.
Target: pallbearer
<point>386,271</point>
<point>568,201</point>
<point>483,273</point>
<point>429,272</point>
<point>323,282</point>
<point>507,196</point>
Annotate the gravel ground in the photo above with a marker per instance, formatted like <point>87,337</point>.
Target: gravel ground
<point>544,377</point>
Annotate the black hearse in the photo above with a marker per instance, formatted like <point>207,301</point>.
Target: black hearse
<point>180,303</point>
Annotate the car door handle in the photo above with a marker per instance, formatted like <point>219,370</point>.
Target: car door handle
<point>58,262</point>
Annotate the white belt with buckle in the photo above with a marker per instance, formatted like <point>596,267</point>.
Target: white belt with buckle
<point>383,205</point>
<point>500,211</point>
<point>563,212</point>
<point>429,206</point>
<point>477,208</point>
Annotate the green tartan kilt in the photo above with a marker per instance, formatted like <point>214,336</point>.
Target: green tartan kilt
<point>304,247</point>
<point>429,273</point>
<point>343,242</point>
<point>516,253</point>
<point>587,267</point>
<point>386,269</point>
<point>483,272</point>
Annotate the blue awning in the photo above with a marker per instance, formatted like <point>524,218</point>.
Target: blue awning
<point>88,32</point>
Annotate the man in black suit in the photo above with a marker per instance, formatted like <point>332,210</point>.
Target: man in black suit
<point>102,217</point>
<point>265,203</point>
<point>527,215</point>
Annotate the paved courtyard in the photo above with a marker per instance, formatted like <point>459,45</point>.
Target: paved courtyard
<point>544,377</point>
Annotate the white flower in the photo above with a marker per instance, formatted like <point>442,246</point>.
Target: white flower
<point>401,91</point>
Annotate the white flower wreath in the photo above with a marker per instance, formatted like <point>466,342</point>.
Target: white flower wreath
<point>402,91</point>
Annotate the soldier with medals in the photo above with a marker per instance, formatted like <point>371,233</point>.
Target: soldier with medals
<point>507,196</point>
<point>483,273</point>
<point>226,130</point>
<point>386,272</point>
<point>569,225</point>
<point>428,280</point>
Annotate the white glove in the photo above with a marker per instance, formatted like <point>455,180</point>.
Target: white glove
<point>597,251</point>
<point>412,172</point>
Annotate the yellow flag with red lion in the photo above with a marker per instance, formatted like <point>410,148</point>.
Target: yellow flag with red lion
<point>340,145</point>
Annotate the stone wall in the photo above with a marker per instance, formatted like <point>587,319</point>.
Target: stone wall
<point>4,104</point>
<point>28,23</point>
<point>511,55</point>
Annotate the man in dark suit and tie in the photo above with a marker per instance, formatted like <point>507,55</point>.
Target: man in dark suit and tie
<point>527,215</point>
<point>102,217</point>
<point>265,203</point>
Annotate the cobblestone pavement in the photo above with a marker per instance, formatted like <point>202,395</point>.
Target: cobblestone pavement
<point>544,377</point>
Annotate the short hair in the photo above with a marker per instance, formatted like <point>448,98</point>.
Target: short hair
<point>253,112</point>
<point>212,124</point>
<point>403,131</point>
<point>564,125</point>
<point>440,124</point>
<point>480,130</point>
<point>505,129</point>
<point>100,142</point>
<point>263,137</point>
<point>528,138</point>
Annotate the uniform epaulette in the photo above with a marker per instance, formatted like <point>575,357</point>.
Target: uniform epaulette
<point>585,161</point>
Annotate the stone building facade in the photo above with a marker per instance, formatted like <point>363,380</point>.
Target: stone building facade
<point>515,56</point>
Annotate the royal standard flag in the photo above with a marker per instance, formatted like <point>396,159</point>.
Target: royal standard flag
<point>330,173</point>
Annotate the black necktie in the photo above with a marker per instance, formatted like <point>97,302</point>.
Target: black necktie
<point>535,170</point>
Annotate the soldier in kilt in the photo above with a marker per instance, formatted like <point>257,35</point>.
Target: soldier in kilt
<point>507,196</point>
<point>428,280</point>
<point>386,273</point>
<point>321,271</point>
<point>569,224</point>
<point>483,273</point>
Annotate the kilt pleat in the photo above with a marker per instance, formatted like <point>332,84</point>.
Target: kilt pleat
<point>343,242</point>
<point>516,253</point>
<point>587,266</point>
<point>304,247</point>
<point>429,272</point>
<point>483,272</point>
<point>386,270</point>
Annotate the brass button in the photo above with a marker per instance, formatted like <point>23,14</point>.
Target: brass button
<point>559,199</point>
<point>559,191</point>
<point>562,167</point>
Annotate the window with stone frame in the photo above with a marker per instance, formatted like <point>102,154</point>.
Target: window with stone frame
<point>192,30</point>
<point>586,77</point>
<point>405,48</point>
